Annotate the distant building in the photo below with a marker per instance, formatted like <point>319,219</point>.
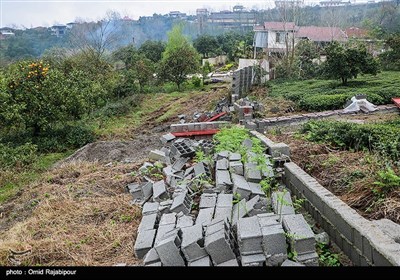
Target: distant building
<point>58,30</point>
<point>321,35</point>
<point>289,3</point>
<point>235,19</point>
<point>177,14</point>
<point>202,16</point>
<point>356,33</point>
<point>6,32</point>
<point>333,3</point>
<point>70,25</point>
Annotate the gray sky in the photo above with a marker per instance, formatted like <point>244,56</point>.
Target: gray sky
<point>31,13</point>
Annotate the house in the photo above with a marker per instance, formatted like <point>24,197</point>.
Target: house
<point>58,30</point>
<point>321,35</point>
<point>356,33</point>
<point>70,25</point>
<point>273,35</point>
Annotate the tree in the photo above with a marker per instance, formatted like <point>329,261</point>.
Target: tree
<point>205,45</point>
<point>143,70</point>
<point>346,63</point>
<point>152,50</point>
<point>391,57</point>
<point>179,58</point>
<point>306,51</point>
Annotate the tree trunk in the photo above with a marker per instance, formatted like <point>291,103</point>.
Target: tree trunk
<point>344,81</point>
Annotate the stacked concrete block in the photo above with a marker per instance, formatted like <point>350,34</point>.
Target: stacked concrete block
<point>202,170</point>
<point>205,261</point>
<point>193,243</point>
<point>205,216</point>
<point>253,260</point>
<point>273,239</point>
<point>165,206</point>
<point>232,262</point>
<point>291,263</point>
<point>234,157</point>
<point>282,203</point>
<point>252,173</point>
<point>207,146</point>
<point>144,242</point>
<point>224,206</point>
<point>168,249</point>
<point>223,181</point>
<point>208,200</point>
<point>301,236</point>
<point>150,208</point>
<point>159,191</point>
<point>250,241</point>
<point>243,208</point>
<point>148,222</point>
<point>222,164</point>
<point>263,205</point>
<point>241,186</point>
<point>152,258</point>
<point>219,242</point>
<point>255,189</point>
<point>223,154</point>
<point>236,167</point>
<point>182,203</point>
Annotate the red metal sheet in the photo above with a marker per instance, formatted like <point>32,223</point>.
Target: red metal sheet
<point>396,101</point>
<point>195,133</point>
<point>215,117</point>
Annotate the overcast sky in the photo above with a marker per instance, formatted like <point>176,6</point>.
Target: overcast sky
<point>31,13</point>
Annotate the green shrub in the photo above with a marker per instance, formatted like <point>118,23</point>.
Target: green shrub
<point>196,81</point>
<point>322,102</point>
<point>20,156</point>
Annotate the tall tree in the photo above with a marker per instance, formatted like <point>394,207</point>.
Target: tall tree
<point>205,45</point>
<point>152,50</point>
<point>179,58</point>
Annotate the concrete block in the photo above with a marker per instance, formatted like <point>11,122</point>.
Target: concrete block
<point>154,264</point>
<point>184,221</point>
<point>145,166</point>
<point>247,143</point>
<point>193,243</point>
<point>268,219</point>
<point>222,213</point>
<point>201,169</point>
<point>165,206</point>
<point>168,219</point>
<point>291,263</point>
<point>157,155</point>
<point>308,259</point>
<point>301,236</point>
<point>144,242</point>
<point>234,157</point>
<point>275,260</point>
<point>159,191</point>
<point>256,189</point>
<point>218,244</point>
<point>236,167</point>
<point>205,216</point>
<point>253,260</point>
<point>222,164</point>
<point>252,173</point>
<point>249,236</point>
<point>162,230</point>
<point>239,211</point>
<point>274,240</point>
<point>389,227</point>
<point>222,180</point>
<point>168,250</point>
<point>208,200</point>
<point>179,164</point>
<point>241,186</point>
<point>224,200</point>
<point>282,202</point>
<point>148,222</point>
<point>201,262</point>
<point>167,138</point>
<point>232,262</point>
<point>151,257</point>
<point>150,208</point>
<point>182,203</point>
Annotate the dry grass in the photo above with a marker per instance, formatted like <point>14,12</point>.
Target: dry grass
<point>78,214</point>
<point>348,174</point>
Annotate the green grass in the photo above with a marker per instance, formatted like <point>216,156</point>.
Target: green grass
<point>316,95</point>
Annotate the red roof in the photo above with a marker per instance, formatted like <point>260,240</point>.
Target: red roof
<point>355,32</point>
<point>279,26</point>
<point>321,34</point>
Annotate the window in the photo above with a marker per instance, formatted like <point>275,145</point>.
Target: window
<point>278,37</point>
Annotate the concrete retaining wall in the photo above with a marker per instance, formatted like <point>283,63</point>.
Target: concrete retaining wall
<point>184,127</point>
<point>360,239</point>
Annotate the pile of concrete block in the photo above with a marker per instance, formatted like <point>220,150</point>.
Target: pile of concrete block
<point>213,213</point>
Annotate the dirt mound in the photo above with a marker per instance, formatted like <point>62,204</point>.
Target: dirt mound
<point>121,151</point>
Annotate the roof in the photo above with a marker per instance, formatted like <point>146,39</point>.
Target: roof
<point>321,34</point>
<point>279,26</point>
<point>355,32</point>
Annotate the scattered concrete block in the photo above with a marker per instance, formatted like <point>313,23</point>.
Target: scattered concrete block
<point>167,138</point>
<point>148,222</point>
<point>232,262</point>
<point>159,191</point>
<point>301,236</point>
<point>157,155</point>
<point>222,213</point>
<point>234,157</point>
<point>291,263</point>
<point>247,143</point>
<point>224,200</point>
<point>249,236</point>
<point>239,211</point>
<point>168,219</point>
<point>179,164</point>
<point>193,243</point>
<point>253,260</point>
<point>208,200</point>
<point>168,250</point>
<point>151,257</point>
<point>144,242</point>
<point>182,149</point>
<point>268,219</point>
<point>155,264</point>
<point>222,164</point>
<point>222,180</point>
<point>322,237</point>
<point>205,216</point>
<point>150,208</point>
<point>308,259</point>
<point>218,242</point>
<point>201,169</point>
<point>282,202</point>
<point>145,166</point>
<point>201,262</point>
<point>162,230</point>
<point>165,206</point>
<point>184,221</point>
<point>252,173</point>
<point>241,186</point>
<point>274,244</point>
<point>236,167</point>
<point>255,189</point>
<point>182,202</point>
<point>223,154</point>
